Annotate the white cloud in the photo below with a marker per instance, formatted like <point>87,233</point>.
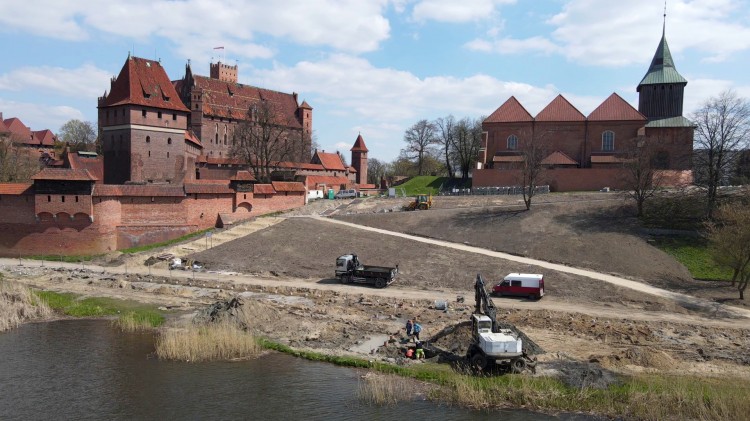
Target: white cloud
<point>352,26</point>
<point>40,116</point>
<point>86,81</point>
<point>621,33</point>
<point>456,11</point>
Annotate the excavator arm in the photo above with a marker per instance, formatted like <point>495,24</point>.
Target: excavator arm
<point>483,302</point>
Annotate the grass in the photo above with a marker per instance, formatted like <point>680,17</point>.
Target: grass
<point>18,304</point>
<point>132,316</point>
<point>64,258</point>
<point>147,247</point>
<point>422,185</point>
<point>221,341</point>
<point>376,389</point>
<point>696,256</point>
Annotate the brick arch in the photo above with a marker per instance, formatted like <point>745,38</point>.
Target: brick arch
<point>63,216</point>
<point>81,217</point>
<point>45,217</point>
<point>244,207</point>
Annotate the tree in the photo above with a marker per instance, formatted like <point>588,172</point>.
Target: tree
<point>16,163</point>
<point>466,143</point>
<point>79,135</point>
<point>722,128</point>
<point>532,170</point>
<point>375,171</point>
<point>265,137</point>
<point>642,177</point>
<point>419,139</point>
<point>729,238</point>
<point>445,128</point>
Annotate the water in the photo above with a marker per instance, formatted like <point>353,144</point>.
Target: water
<point>85,369</point>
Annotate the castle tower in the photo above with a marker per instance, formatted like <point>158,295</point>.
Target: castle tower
<point>359,159</point>
<point>224,72</point>
<point>661,91</point>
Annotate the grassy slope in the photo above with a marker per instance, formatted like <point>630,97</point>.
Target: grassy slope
<point>695,255</point>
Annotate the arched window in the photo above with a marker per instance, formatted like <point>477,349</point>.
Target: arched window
<point>148,139</point>
<point>512,142</point>
<point>608,140</point>
<point>169,141</point>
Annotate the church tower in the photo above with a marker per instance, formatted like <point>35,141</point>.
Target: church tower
<point>359,159</point>
<point>661,91</point>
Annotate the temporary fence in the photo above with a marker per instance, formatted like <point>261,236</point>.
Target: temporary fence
<point>494,191</point>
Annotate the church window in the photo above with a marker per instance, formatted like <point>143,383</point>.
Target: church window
<point>512,142</point>
<point>608,140</point>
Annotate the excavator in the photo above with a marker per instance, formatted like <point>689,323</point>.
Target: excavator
<point>491,345</point>
<point>421,202</point>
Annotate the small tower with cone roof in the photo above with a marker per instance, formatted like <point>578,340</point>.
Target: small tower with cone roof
<point>359,159</point>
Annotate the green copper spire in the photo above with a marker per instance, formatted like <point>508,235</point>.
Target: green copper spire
<point>662,68</point>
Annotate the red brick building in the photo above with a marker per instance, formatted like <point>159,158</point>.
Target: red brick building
<point>588,152</point>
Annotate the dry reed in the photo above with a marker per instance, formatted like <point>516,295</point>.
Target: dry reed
<point>378,389</point>
<point>219,341</point>
<point>18,304</point>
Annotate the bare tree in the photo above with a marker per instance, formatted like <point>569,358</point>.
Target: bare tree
<point>17,164</point>
<point>445,128</point>
<point>729,237</point>
<point>375,171</point>
<point>466,142</point>
<point>532,171</point>
<point>419,139</point>
<point>722,130</point>
<point>79,135</point>
<point>265,137</point>
<point>642,176</point>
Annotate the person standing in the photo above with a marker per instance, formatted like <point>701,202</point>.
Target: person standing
<point>420,351</point>
<point>417,328</point>
<point>408,328</point>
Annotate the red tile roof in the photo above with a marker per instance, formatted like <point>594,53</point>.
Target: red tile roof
<point>299,166</point>
<point>313,181</point>
<point>607,159</point>
<point>367,186</point>
<point>359,145</point>
<point>263,189</point>
<point>191,137</point>
<point>201,188</point>
<point>287,186</point>
<point>305,105</point>
<point>243,176</point>
<point>508,158</point>
<point>615,108</point>
<point>44,137</point>
<point>138,190</point>
<point>64,174</point>
<point>510,112</point>
<point>94,165</point>
<point>330,161</point>
<point>234,100</point>
<point>143,82</point>
<point>16,188</point>
<point>219,160</point>
<point>20,132</point>
<point>558,158</point>
<point>560,110</point>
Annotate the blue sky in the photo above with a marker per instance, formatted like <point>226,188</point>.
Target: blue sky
<point>371,67</point>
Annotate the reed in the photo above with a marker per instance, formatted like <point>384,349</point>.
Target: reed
<point>220,341</point>
<point>384,390</point>
<point>18,305</point>
<point>139,320</point>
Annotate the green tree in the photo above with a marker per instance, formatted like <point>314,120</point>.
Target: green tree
<point>79,135</point>
<point>729,237</point>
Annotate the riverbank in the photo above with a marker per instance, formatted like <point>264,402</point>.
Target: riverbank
<point>609,366</point>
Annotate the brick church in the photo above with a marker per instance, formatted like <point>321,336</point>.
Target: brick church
<point>165,169</point>
<point>589,152</point>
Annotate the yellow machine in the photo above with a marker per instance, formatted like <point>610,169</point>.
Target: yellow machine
<point>421,202</point>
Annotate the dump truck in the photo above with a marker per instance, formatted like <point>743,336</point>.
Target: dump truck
<point>350,270</point>
<point>490,345</point>
<point>421,202</point>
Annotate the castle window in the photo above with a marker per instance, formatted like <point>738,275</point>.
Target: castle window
<point>174,116</point>
<point>158,114</point>
<point>148,139</point>
<point>49,198</point>
<point>63,198</point>
<point>512,142</point>
<point>169,141</point>
<point>149,154</point>
<point>76,199</point>
<point>608,140</point>
<point>217,138</point>
<point>167,154</point>
<point>244,196</point>
<point>143,113</point>
<point>225,138</point>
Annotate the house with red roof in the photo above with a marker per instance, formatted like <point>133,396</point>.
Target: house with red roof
<point>590,152</point>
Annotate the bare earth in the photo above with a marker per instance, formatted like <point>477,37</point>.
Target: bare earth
<point>286,266</point>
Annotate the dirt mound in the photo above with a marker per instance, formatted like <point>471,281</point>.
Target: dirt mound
<point>638,356</point>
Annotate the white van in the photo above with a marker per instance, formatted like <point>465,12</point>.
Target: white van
<point>346,194</point>
<point>521,284</point>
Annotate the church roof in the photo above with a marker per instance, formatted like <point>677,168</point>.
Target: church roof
<point>233,100</point>
<point>662,69</point>
<point>143,82</point>
<point>615,108</point>
<point>560,110</point>
<point>510,112</point>
<point>330,161</point>
<point>359,145</point>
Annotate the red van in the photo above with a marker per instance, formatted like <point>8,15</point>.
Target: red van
<point>521,284</point>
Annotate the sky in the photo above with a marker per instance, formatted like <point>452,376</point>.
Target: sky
<point>371,67</point>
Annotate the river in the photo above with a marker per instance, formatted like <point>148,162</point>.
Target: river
<point>86,369</point>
